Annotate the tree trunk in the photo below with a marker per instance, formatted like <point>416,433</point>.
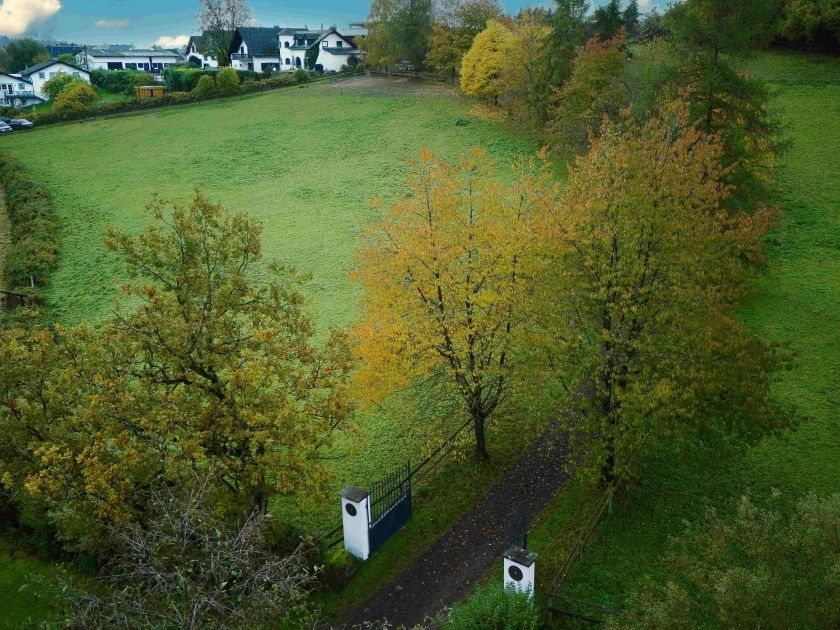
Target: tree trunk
<point>480,441</point>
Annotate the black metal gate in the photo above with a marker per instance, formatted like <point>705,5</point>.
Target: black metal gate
<point>390,506</point>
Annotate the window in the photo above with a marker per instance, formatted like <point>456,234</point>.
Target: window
<point>52,74</point>
<point>42,75</point>
<point>324,43</point>
<point>339,43</point>
<point>288,61</point>
<point>285,44</point>
<point>242,50</point>
<point>21,86</point>
<point>76,74</point>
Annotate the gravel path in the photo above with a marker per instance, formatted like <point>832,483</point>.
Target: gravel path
<point>451,568</point>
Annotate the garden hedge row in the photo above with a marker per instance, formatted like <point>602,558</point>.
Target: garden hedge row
<point>34,229</point>
<point>48,117</point>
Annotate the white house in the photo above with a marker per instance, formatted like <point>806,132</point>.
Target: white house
<point>255,48</point>
<point>335,51</point>
<point>42,72</point>
<point>199,49</point>
<point>285,49</point>
<point>144,59</point>
<point>26,88</point>
<point>15,91</point>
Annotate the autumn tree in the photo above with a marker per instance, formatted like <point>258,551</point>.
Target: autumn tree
<point>75,99</point>
<point>482,66</point>
<point>814,21</point>
<point>444,285</point>
<point>568,32</point>
<point>457,22</point>
<point>596,89</point>
<point>763,567</point>
<point>641,280</point>
<point>711,36</point>
<point>522,66</point>
<point>208,364</point>
<point>57,84</point>
<point>217,20</point>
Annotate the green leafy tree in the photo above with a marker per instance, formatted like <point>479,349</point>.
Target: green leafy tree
<point>22,53</point>
<point>813,21</point>
<point>457,23</point>
<point>630,18</point>
<point>75,99</point>
<point>227,81</point>
<point>759,568</point>
<point>210,365</point>
<point>218,20</point>
<point>205,86</point>
<point>398,30</point>
<point>711,36</point>
<point>596,89</point>
<point>641,281</point>
<point>60,82</point>
<point>568,32</point>
<point>608,20</point>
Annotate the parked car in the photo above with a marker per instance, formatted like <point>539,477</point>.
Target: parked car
<point>20,123</point>
<point>4,128</point>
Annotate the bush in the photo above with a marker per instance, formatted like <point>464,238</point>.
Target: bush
<point>75,100</point>
<point>120,81</point>
<point>205,86</point>
<point>34,229</point>
<point>59,83</point>
<point>492,607</point>
<point>227,81</point>
<point>302,76</point>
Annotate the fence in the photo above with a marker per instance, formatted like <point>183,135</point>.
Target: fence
<point>335,536</point>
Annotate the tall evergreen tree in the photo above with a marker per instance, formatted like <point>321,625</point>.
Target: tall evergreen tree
<point>568,32</point>
<point>608,20</point>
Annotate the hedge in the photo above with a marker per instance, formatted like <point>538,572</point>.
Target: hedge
<point>48,117</point>
<point>34,229</point>
<point>185,78</point>
<point>120,81</point>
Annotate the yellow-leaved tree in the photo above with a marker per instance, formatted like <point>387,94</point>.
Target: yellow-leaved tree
<point>641,276</point>
<point>482,66</point>
<point>444,284</point>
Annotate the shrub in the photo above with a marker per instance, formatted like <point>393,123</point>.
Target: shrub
<point>75,100</point>
<point>492,607</point>
<point>59,83</point>
<point>205,86</point>
<point>34,228</point>
<point>227,81</point>
<point>302,76</point>
<point>120,81</point>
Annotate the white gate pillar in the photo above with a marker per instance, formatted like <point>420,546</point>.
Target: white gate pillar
<point>355,513</point>
<point>519,569</point>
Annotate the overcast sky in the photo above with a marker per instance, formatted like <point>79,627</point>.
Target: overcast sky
<point>169,22</point>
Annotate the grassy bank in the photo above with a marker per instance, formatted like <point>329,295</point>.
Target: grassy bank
<point>797,299</point>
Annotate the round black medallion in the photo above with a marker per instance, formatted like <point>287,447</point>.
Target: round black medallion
<point>351,509</point>
<point>515,573</point>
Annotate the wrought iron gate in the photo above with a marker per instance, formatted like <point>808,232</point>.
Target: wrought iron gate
<point>390,506</point>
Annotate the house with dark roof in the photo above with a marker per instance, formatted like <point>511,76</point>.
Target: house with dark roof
<point>289,48</point>
<point>201,49</point>
<point>325,51</point>
<point>15,91</point>
<point>30,86</point>
<point>255,48</point>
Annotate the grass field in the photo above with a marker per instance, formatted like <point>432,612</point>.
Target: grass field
<point>797,299</point>
<point>304,161</point>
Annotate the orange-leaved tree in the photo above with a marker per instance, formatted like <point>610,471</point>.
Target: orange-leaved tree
<point>444,284</point>
<point>642,274</point>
